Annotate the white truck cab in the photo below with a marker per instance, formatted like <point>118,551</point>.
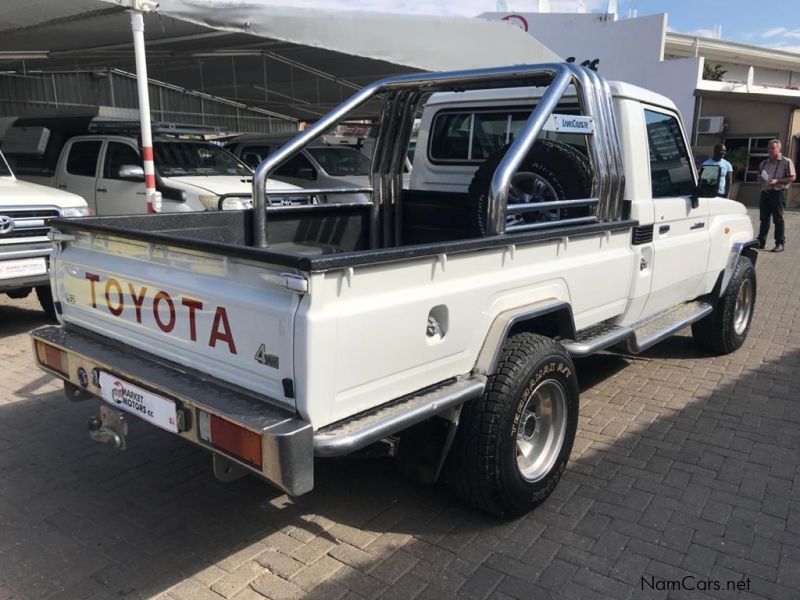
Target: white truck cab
<point>25,212</point>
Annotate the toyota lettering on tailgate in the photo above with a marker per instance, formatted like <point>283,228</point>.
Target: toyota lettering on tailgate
<point>118,293</point>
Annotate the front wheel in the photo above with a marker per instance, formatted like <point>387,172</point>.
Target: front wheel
<point>45,296</point>
<point>513,443</point>
<point>726,328</point>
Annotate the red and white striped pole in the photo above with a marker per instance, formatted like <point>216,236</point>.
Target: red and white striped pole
<point>138,7</point>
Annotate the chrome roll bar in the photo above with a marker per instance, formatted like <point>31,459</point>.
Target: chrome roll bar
<point>402,97</point>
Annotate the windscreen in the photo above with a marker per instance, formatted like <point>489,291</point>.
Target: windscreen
<point>4,170</point>
<point>341,162</point>
<point>175,159</point>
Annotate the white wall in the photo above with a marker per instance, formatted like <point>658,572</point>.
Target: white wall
<point>629,50</point>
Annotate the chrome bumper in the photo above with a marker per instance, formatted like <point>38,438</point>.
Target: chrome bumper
<point>287,440</point>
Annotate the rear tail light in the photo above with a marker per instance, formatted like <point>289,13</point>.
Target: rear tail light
<point>233,439</point>
<point>52,358</point>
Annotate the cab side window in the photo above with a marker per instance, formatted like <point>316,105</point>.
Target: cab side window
<point>253,155</point>
<point>117,155</point>
<point>82,159</point>
<point>297,166</point>
<point>670,169</point>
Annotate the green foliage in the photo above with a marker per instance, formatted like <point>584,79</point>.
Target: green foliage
<point>738,158</point>
<point>715,73</point>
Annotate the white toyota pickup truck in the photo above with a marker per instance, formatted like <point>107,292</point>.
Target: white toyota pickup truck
<point>444,316</point>
<point>25,212</point>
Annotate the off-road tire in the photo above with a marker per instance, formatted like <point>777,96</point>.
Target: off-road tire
<point>482,465</point>
<point>562,166</point>
<point>45,296</point>
<point>716,332</point>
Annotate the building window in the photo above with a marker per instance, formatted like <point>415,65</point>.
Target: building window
<point>751,151</point>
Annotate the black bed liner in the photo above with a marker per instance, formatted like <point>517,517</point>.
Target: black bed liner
<point>228,233</point>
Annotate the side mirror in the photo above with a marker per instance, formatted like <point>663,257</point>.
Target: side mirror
<point>131,173</point>
<point>307,173</point>
<point>710,176</point>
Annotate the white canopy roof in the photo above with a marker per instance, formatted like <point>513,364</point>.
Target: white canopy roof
<point>431,43</point>
<point>296,62</point>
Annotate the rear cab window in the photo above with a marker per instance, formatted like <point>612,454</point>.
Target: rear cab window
<point>82,158</point>
<point>471,135</point>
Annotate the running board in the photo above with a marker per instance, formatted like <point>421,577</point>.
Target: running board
<point>597,338</point>
<point>659,327</point>
<point>639,336</point>
<point>373,425</point>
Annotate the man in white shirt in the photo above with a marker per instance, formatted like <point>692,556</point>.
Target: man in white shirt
<point>776,175</point>
<point>725,170</point>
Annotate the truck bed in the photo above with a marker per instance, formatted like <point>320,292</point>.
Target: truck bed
<point>308,238</point>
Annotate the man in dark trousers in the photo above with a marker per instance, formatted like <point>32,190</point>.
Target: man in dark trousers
<point>776,174</point>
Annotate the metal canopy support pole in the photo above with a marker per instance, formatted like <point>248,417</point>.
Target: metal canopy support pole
<point>138,8</point>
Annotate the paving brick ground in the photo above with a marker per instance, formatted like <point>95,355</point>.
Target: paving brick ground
<point>685,465</point>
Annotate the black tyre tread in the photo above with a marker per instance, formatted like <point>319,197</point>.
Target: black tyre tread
<point>579,181</point>
<point>45,296</point>
<point>715,332</point>
<point>474,473</point>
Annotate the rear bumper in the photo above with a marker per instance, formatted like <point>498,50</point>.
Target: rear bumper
<point>287,441</point>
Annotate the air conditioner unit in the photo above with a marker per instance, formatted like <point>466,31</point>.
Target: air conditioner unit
<point>710,124</point>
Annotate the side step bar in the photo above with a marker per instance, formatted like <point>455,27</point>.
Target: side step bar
<point>639,336</point>
<point>373,425</point>
<point>661,326</point>
<point>597,338</point>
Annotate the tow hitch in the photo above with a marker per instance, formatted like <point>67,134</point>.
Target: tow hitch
<point>110,427</point>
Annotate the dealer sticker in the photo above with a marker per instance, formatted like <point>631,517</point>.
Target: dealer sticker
<point>24,267</point>
<point>142,403</point>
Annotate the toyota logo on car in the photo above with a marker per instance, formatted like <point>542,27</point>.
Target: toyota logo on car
<point>6,224</point>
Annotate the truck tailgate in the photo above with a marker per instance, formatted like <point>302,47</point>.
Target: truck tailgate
<point>227,317</point>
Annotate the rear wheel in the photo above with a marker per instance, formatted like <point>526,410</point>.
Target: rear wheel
<point>726,328</point>
<point>513,444</point>
<point>45,296</point>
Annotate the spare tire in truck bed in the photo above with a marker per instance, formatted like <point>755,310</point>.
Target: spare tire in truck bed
<point>551,171</point>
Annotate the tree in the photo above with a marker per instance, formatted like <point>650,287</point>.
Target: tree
<point>715,73</point>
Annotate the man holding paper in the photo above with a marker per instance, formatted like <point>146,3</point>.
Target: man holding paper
<point>776,175</point>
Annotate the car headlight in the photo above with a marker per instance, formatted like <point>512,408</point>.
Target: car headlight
<point>234,203</point>
<point>75,211</point>
<point>209,202</point>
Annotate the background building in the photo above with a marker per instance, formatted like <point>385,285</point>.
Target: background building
<point>727,92</point>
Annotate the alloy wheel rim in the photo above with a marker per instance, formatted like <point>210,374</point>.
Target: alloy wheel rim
<point>529,188</point>
<point>743,307</point>
<point>541,430</point>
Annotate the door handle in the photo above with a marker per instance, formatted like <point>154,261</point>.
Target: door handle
<point>663,229</point>
<point>698,225</point>
<point>62,186</point>
<point>102,190</point>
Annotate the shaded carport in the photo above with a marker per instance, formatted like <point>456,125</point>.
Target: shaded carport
<point>293,63</point>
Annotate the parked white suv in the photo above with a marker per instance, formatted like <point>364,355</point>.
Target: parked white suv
<point>25,210</point>
<point>106,170</point>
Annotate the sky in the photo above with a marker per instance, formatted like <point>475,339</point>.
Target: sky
<point>774,25</point>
